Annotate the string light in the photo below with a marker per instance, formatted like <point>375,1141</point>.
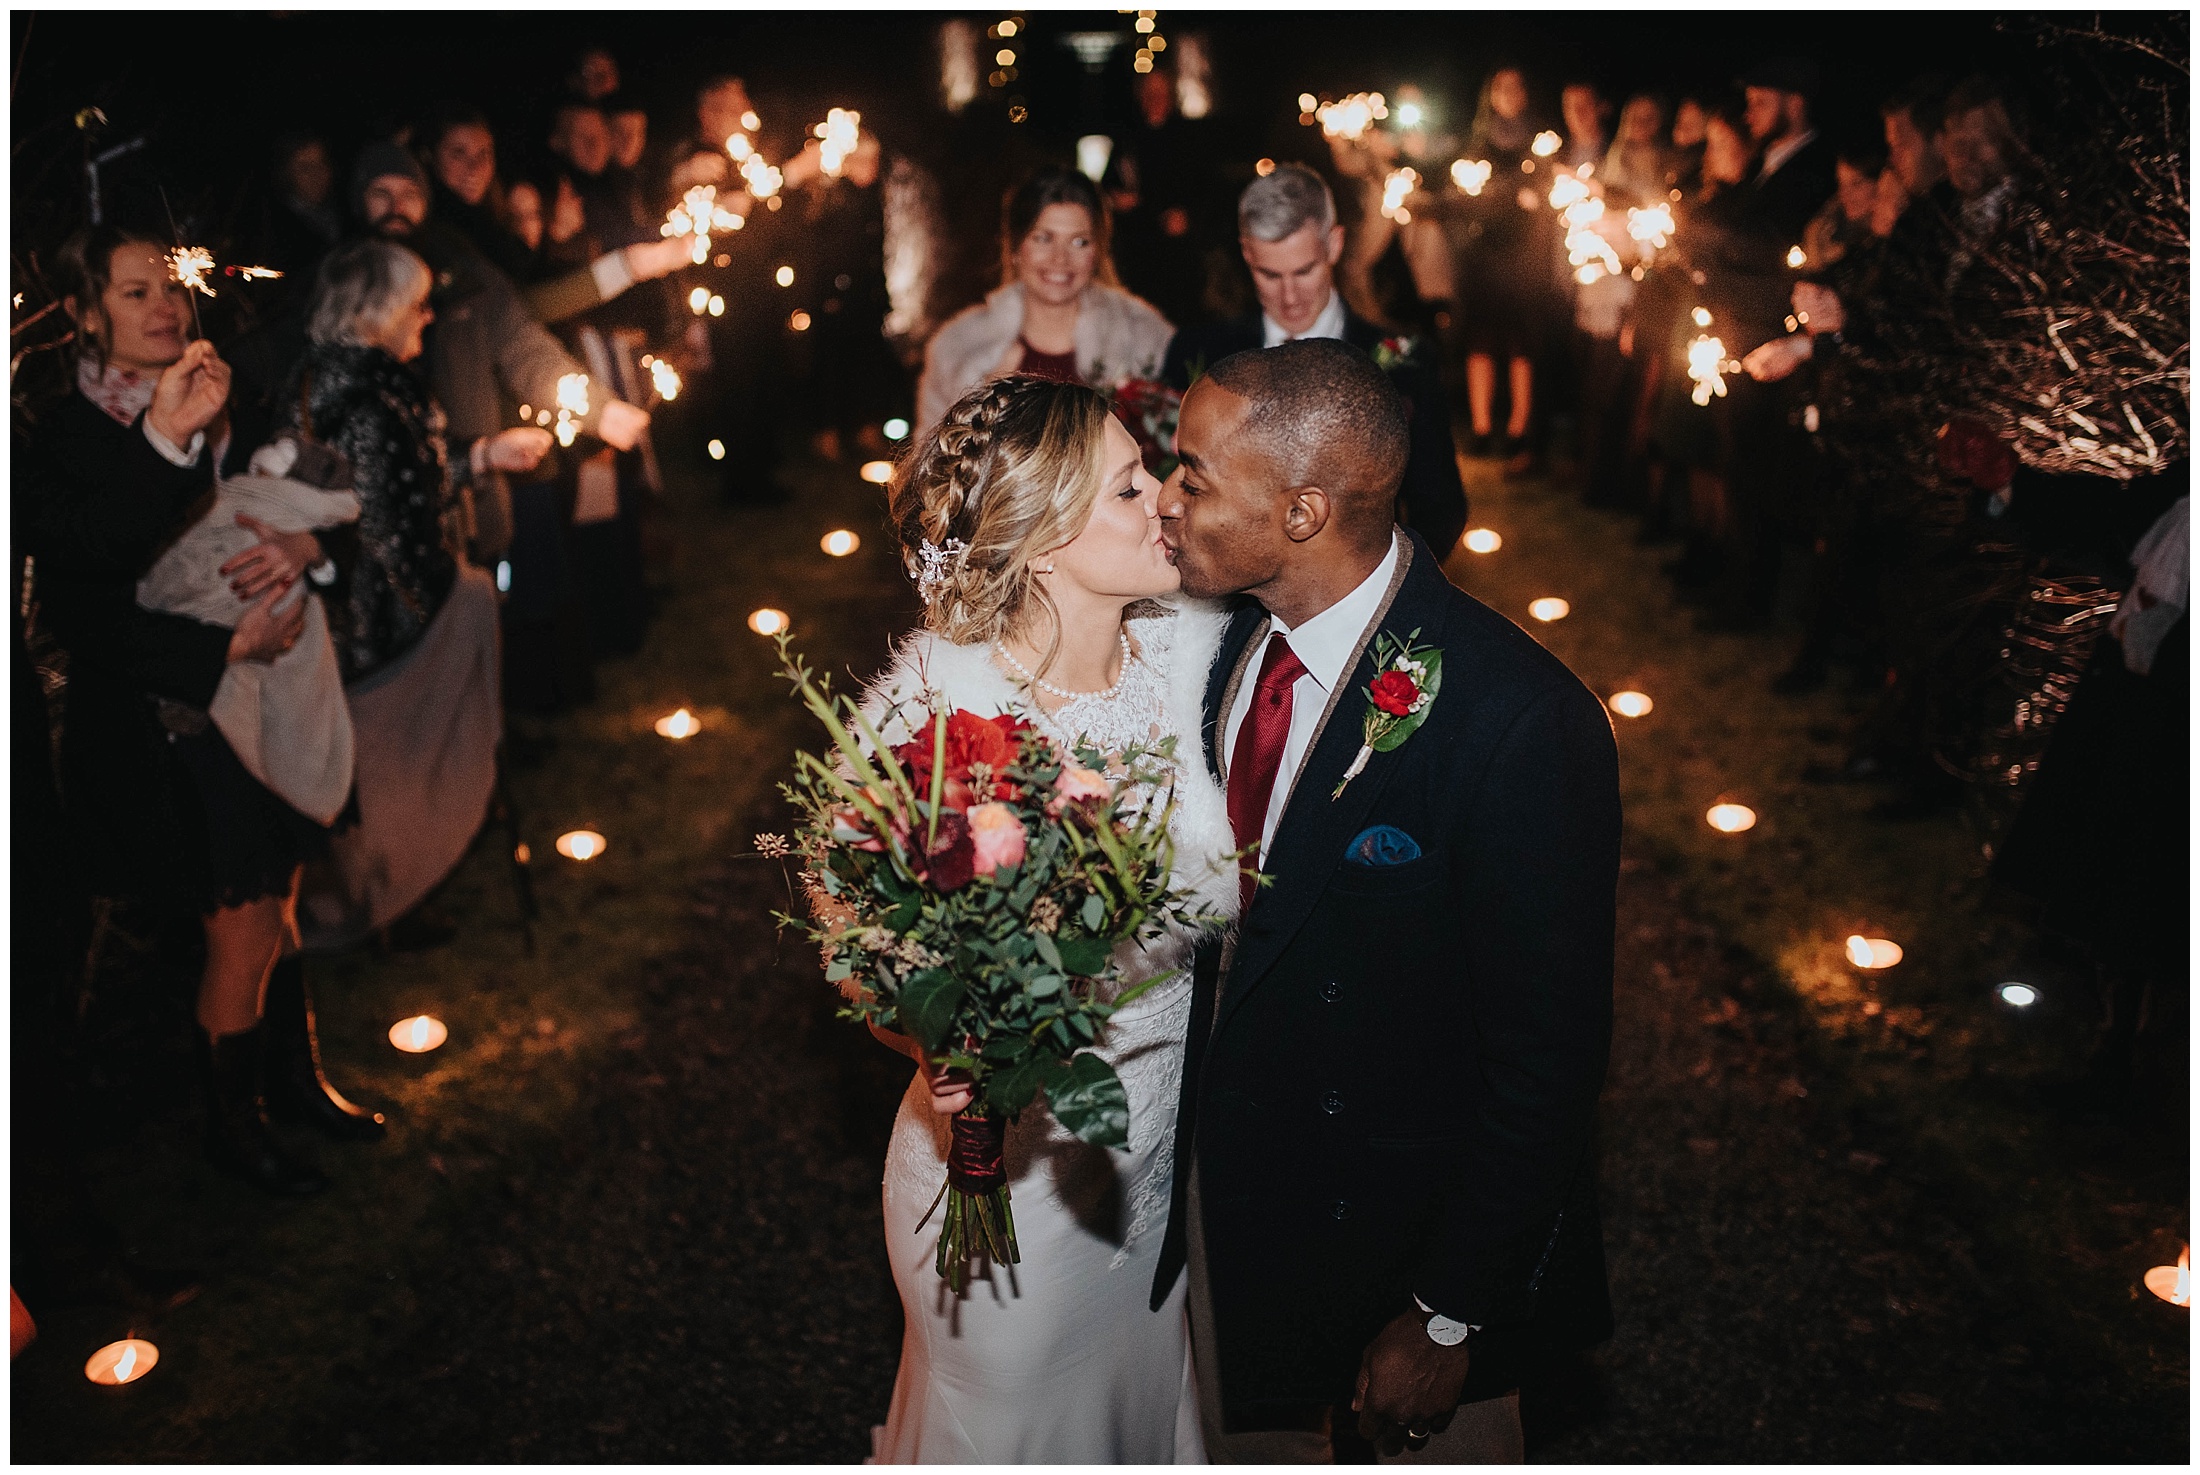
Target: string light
<point>768,621</point>
<point>1483,540</point>
<point>839,543</point>
<point>784,276</point>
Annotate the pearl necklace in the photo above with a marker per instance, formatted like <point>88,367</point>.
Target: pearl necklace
<point>1123,640</point>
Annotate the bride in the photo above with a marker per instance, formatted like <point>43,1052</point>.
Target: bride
<point>1033,532</point>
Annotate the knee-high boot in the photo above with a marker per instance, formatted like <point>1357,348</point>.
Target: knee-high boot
<point>237,1137</point>
<point>295,1085</point>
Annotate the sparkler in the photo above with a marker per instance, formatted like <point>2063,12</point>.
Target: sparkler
<point>1471,174</point>
<point>1546,144</point>
<point>1707,363</point>
<point>762,179</point>
<point>572,404</point>
<point>1400,184</point>
<point>1591,256</point>
<point>663,377</point>
<point>1651,228</point>
<point>1352,117</point>
<point>839,134</point>
<point>697,215</point>
<point>1567,191</point>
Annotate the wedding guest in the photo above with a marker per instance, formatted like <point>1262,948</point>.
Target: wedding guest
<point>1290,241</point>
<point>1057,314</point>
<point>426,750</point>
<point>1637,166</point>
<point>1507,255</point>
<point>157,797</point>
<point>467,193</point>
<point>302,220</point>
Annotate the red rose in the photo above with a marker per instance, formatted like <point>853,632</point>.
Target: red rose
<point>971,739</point>
<point>1395,693</point>
<point>954,856</point>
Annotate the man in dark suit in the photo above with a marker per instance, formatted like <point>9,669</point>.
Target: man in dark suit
<point>1772,463</point>
<point>1385,1186</point>
<point>1290,239</point>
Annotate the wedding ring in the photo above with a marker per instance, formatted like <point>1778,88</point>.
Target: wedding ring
<point>1416,1433</point>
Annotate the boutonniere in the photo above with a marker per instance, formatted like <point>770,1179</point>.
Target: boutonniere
<point>1406,680</point>
<point>1394,353</point>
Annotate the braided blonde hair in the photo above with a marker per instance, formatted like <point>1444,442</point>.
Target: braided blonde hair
<point>1011,474</point>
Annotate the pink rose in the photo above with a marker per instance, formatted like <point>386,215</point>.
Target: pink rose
<point>1079,783</point>
<point>998,835</point>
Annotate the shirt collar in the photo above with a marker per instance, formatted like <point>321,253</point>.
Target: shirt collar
<point>1780,153</point>
<point>1329,324</point>
<point>1329,643</point>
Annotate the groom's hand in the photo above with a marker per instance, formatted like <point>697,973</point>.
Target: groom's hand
<point>1409,1386</point>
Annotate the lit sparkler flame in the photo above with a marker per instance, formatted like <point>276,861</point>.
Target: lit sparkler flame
<point>1651,227</point>
<point>762,179</point>
<point>1707,364</point>
<point>697,215</point>
<point>1546,144</point>
<point>664,377</point>
<point>1399,184</point>
<point>1471,174</point>
<point>253,273</point>
<point>188,266</point>
<point>1353,116</point>
<point>572,405</point>
<point>1591,256</point>
<point>1567,191</point>
<point>839,134</point>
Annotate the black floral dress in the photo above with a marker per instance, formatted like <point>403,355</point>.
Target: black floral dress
<point>397,566</point>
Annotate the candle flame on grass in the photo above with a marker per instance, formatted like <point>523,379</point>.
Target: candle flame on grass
<point>1872,952</point>
<point>680,726</point>
<point>1729,819</point>
<point>2173,1283</point>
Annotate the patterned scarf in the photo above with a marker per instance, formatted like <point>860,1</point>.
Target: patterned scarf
<point>122,394</point>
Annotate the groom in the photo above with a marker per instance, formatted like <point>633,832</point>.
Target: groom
<point>1385,1185</point>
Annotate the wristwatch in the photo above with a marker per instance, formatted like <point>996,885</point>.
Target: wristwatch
<point>1442,1330</point>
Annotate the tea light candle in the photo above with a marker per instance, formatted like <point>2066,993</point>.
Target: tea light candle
<point>2173,1283</point>
<point>1548,610</point>
<point>1482,540</point>
<point>419,1034</point>
<point>680,725</point>
<point>1631,704</point>
<point>768,621</point>
<point>1873,952</point>
<point>878,472</point>
<point>840,543</point>
<point>122,1362</point>
<point>1731,819</point>
<point>581,845</point>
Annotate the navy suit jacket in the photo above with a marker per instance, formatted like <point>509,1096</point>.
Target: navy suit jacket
<point>1391,1090</point>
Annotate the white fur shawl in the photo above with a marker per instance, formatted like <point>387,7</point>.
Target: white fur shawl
<point>1119,336</point>
<point>1183,640</point>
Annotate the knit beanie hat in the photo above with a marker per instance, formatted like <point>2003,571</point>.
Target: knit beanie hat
<point>375,161</point>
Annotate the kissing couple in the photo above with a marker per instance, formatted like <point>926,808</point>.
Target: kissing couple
<point>1358,1195</point>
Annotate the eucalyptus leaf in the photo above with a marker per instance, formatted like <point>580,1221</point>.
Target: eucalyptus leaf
<point>1047,949</point>
<point>1095,911</point>
<point>1087,957</point>
<point>927,1004</point>
<point>1088,1099</point>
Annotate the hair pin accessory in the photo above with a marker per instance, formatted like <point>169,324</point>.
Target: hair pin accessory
<point>935,563</point>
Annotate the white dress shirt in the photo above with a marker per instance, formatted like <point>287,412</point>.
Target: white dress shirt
<point>1328,645</point>
<point>1328,323</point>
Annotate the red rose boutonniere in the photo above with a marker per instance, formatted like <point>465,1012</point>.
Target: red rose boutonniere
<point>1398,699</point>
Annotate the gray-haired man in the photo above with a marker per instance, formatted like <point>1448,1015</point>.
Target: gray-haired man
<point>1290,239</point>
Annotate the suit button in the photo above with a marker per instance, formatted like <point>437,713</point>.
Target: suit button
<point>1332,1103</point>
<point>1332,991</point>
<point>1339,1209</point>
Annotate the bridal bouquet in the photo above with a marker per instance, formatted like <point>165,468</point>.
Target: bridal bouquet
<point>1148,409</point>
<point>967,888</point>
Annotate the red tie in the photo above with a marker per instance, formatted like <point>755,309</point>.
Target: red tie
<point>1259,754</point>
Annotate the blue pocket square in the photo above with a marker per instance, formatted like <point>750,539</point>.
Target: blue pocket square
<point>1382,845</point>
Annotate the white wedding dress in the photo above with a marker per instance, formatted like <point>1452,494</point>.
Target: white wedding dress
<point>1059,1359</point>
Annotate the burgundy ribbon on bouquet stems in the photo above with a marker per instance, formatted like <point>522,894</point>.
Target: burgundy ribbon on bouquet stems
<point>974,1158</point>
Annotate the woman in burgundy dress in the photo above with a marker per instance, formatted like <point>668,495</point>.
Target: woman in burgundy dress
<point>1058,313</point>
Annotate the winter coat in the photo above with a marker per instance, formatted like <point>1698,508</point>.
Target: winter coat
<point>1119,337</point>
<point>370,408</point>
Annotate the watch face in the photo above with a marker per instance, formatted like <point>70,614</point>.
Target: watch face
<point>1445,1332</point>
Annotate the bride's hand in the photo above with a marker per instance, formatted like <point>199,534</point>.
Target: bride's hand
<point>951,1089</point>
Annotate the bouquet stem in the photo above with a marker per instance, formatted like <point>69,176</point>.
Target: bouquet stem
<point>978,1219</point>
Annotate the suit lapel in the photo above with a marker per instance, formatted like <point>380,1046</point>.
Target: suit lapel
<point>1239,641</point>
<point>1311,837</point>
